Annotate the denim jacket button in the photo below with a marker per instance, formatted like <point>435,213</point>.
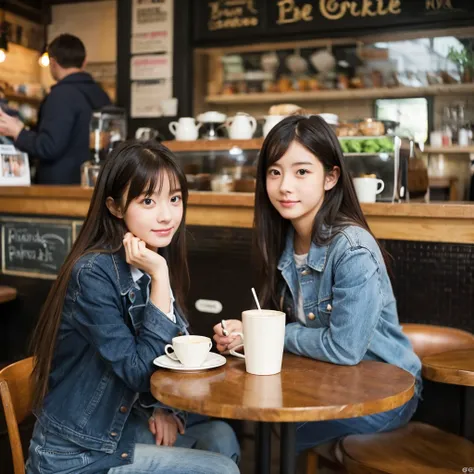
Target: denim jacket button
<point>113,434</point>
<point>306,272</point>
<point>124,455</point>
<point>311,316</point>
<point>180,333</point>
<point>123,409</point>
<point>329,307</point>
<point>131,296</point>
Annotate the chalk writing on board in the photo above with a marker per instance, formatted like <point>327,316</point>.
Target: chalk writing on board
<point>35,247</point>
<point>46,244</point>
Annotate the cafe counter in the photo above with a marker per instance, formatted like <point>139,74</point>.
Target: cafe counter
<point>429,222</point>
<point>432,249</point>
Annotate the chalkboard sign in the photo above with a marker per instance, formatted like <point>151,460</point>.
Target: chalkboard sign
<point>34,247</point>
<point>76,228</point>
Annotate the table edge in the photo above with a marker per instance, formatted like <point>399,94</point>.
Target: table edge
<point>292,414</point>
<point>447,375</point>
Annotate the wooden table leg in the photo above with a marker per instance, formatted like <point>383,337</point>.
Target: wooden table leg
<point>288,448</point>
<point>263,448</point>
<point>467,413</point>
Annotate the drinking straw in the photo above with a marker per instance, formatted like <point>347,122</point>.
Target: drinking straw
<point>256,299</point>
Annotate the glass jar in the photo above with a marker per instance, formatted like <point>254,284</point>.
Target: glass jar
<point>89,173</point>
<point>222,182</point>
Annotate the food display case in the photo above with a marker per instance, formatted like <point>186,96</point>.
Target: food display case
<point>220,165</point>
<point>230,165</point>
<point>377,157</point>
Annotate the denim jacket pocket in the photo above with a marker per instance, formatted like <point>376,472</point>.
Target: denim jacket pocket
<point>60,455</point>
<point>325,310</point>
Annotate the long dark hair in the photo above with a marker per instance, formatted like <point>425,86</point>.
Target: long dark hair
<point>339,209</point>
<point>133,168</point>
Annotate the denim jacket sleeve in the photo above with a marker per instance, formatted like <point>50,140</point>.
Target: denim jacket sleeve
<point>356,308</point>
<point>147,401</point>
<point>98,315</point>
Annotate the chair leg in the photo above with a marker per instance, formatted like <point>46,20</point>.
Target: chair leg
<point>312,462</point>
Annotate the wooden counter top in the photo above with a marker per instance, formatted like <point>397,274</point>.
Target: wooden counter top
<point>433,222</point>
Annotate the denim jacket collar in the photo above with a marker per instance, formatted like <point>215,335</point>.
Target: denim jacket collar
<point>124,275</point>
<point>316,257</point>
<point>127,284</point>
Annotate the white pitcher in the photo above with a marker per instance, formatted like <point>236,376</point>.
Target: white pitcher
<point>270,122</point>
<point>185,129</point>
<point>241,127</point>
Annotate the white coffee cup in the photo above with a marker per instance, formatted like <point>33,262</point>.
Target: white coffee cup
<point>263,341</point>
<point>368,188</point>
<point>191,351</point>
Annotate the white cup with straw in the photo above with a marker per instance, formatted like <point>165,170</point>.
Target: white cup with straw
<point>263,340</point>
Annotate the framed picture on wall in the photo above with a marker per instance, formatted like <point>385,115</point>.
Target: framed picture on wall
<point>14,167</point>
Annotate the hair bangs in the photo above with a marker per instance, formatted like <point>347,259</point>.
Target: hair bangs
<point>149,176</point>
<point>313,133</point>
<point>278,141</point>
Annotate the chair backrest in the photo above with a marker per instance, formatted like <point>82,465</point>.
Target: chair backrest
<point>16,392</point>
<point>428,339</point>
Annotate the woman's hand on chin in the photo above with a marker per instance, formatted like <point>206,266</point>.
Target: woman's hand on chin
<point>138,255</point>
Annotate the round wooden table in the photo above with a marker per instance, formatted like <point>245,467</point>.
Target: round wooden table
<point>456,368</point>
<point>305,390</point>
<point>7,293</point>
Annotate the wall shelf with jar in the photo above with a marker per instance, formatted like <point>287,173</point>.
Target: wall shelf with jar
<point>453,149</point>
<point>334,70</point>
<point>24,99</point>
<point>334,95</point>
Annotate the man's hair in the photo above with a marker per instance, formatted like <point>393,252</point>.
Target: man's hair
<point>68,51</point>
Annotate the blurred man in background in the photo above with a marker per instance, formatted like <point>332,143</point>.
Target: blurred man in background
<point>61,141</point>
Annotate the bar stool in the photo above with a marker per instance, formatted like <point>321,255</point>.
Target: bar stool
<point>426,340</point>
<point>416,447</point>
<point>7,293</point>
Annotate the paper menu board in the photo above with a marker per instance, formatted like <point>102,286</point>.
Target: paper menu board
<point>151,66</point>
<point>147,95</point>
<point>152,15</point>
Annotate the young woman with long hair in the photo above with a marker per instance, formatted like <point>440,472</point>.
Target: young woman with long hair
<point>320,263</point>
<point>108,315</point>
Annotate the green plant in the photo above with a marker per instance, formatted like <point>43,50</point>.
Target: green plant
<point>463,58</point>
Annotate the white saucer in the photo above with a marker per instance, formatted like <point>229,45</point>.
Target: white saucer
<point>212,361</point>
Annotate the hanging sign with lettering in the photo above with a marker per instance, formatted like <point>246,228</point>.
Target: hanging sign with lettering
<point>225,18</point>
<point>240,20</point>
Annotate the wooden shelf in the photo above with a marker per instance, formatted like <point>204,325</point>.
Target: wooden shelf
<point>214,145</point>
<point>350,94</point>
<point>449,149</point>
<point>36,101</point>
<point>256,144</point>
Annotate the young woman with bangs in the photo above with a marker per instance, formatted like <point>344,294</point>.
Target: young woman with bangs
<point>320,263</point>
<point>108,315</point>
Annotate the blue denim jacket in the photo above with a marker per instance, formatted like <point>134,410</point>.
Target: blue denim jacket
<point>351,312</point>
<point>108,337</point>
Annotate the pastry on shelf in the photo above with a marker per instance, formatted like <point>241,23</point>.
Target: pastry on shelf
<point>286,109</point>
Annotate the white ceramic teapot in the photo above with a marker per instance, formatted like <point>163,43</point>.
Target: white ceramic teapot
<point>185,129</point>
<point>270,122</point>
<point>241,127</point>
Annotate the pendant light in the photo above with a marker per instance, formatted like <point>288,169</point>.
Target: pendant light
<point>3,37</point>
<point>44,58</point>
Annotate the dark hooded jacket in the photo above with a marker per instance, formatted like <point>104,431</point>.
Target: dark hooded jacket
<point>61,141</point>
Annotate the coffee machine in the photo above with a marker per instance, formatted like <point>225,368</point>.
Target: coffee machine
<point>108,128</point>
